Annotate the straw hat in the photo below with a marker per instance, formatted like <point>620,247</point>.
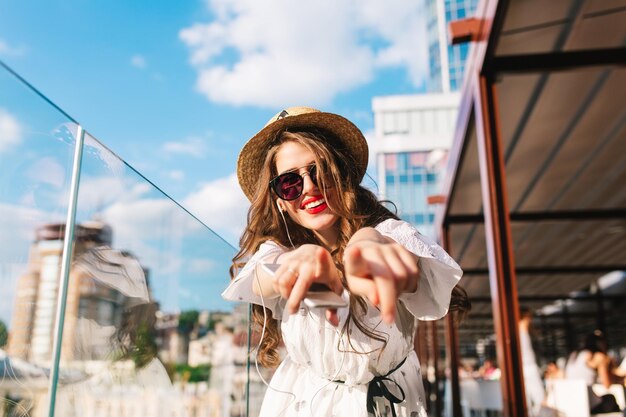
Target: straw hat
<point>252,155</point>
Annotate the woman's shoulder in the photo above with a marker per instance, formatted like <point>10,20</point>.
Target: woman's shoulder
<point>270,244</point>
<point>599,358</point>
<point>391,224</point>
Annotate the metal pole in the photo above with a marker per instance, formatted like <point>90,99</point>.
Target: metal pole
<point>452,346</point>
<point>501,261</point>
<point>248,361</point>
<point>66,262</point>
<point>601,321</point>
<point>453,362</point>
<point>569,336</point>
<point>438,373</point>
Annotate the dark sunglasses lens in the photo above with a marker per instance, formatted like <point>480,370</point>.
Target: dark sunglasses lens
<point>288,186</point>
<point>313,174</point>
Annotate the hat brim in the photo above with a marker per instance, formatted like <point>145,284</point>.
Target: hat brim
<point>252,155</point>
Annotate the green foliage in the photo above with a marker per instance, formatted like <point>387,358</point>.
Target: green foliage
<point>4,334</point>
<point>187,321</point>
<point>193,373</point>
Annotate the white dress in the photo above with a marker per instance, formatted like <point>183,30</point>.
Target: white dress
<point>326,375</point>
<point>533,385</point>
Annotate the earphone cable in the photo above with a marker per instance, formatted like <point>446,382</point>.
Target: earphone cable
<point>286,228</point>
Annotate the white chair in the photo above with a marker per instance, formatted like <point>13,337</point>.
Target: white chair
<point>470,397</point>
<point>491,395</point>
<point>569,397</point>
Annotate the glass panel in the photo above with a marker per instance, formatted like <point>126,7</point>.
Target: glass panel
<point>36,152</point>
<point>146,331</point>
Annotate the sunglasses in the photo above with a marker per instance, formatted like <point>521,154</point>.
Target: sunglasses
<point>289,185</point>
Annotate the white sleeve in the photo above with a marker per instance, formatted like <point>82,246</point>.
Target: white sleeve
<point>240,288</point>
<point>439,273</point>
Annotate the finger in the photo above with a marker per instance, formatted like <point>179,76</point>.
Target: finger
<point>398,268</point>
<point>411,261</point>
<point>332,317</point>
<point>355,264</point>
<point>387,294</point>
<point>321,262</point>
<point>364,287</point>
<point>325,271</point>
<point>301,286</point>
<point>285,280</point>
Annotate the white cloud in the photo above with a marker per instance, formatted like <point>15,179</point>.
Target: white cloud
<point>192,146</point>
<point>401,23</point>
<point>96,193</point>
<point>285,53</point>
<point>9,50</point>
<point>10,131</point>
<point>176,175</point>
<point>221,205</point>
<point>138,61</point>
<point>200,265</point>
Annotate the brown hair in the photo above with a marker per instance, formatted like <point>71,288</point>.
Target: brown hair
<point>355,206</point>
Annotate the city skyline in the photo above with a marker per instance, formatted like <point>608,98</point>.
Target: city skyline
<point>172,93</point>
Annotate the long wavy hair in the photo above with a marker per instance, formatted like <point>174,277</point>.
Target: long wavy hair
<point>355,206</point>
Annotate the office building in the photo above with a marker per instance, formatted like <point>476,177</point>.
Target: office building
<point>446,63</point>
<point>414,132</point>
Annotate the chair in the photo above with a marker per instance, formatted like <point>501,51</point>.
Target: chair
<point>568,397</point>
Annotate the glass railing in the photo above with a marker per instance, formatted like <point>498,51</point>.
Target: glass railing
<point>133,323</point>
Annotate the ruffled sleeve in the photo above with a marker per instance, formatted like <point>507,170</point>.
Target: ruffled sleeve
<point>240,288</point>
<point>439,273</point>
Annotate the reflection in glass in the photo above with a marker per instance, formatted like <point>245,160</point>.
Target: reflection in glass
<point>146,331</point>
<point>36,151</point>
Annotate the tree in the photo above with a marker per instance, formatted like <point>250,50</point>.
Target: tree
<point>187,321</point>
<point>4,334</point>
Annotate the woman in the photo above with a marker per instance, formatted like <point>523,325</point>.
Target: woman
<point>592,364</point>
<point>309,214</point>
<point>533,385</point>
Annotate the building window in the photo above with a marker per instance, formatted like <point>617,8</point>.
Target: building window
<point>395,122</point>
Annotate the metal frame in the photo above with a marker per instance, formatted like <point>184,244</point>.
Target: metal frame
<point>554,215</point>
<point>66,262</point>
<point>452,347</point>
<point>478,110</point>
<point>502,276</point>
<point>554,270</point>
<point>491,14</point>
<point>558,61</point>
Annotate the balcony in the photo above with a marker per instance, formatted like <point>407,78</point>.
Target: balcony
<point>111,290</point>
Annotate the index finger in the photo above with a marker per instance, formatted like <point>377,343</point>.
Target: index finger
<point>387,293</point>
<point>300,287</point>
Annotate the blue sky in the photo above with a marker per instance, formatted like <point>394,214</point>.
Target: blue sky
<point>176,87</point>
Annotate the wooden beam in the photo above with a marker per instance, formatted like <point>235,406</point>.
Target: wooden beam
<point>502,275</point>
<point>464,30</point>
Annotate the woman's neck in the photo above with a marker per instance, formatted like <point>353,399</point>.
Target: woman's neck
<point>328,238</point>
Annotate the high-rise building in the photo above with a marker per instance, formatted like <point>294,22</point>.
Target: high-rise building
<point>414,132</point>
<point>446,62</point>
